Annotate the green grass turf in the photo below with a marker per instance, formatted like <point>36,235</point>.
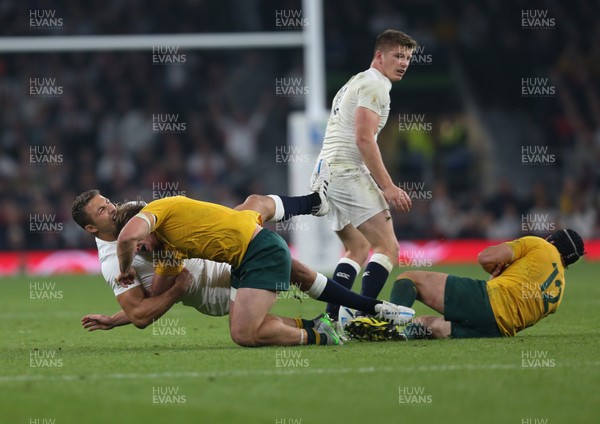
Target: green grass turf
<point>110,376</point>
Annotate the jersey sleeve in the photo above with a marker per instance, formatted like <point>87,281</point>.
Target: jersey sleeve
<point>161,209</point>
<point>373,96</point>
<point>522,245</point>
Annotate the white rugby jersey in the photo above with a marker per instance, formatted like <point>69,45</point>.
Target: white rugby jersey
<point>211,281</point>
<point>369,89</point>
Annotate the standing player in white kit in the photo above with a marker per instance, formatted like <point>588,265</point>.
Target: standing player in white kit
<point>350,170</point>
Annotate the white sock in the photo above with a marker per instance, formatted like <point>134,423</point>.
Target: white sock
<point>318,286</point>
<point>350,262</point>
<point>382,260</point>
<point>279,211</point>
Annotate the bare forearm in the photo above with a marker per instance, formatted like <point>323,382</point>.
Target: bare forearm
<point>120,318</point>
<point>125,252</point>
<point>150,309</point>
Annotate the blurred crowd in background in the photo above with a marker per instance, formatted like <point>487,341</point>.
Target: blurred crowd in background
<point>99,121</point>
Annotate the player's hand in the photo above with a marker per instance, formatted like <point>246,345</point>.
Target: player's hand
<point>95,322</point>
<point>397,198</point>
<point>497,270</point>
<point>126,278</point>
<point>184,280</point>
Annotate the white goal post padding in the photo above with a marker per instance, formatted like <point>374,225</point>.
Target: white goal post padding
<point>313,240</point>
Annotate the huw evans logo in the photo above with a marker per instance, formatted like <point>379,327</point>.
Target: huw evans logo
<point>44,87</point>
<point>167,395</point>
<point>537,19</point>
<point>168,327</point>
<point>167,55</point>
<point>290,154</point>
<point>44,155</point>
<point>537,87</point>
<point>44,290</point>
<point>44,223</point>
<point>161,189</point>
<point>290,19</point>
<point>413,395</point>
<point>537,155</point>
<point>420,57</point>
<point>167,123</point>
<point>413,122</point>
<point>536,359</point>
<point>44,19</point>
<point>44,359</point>
<point>290,87</point>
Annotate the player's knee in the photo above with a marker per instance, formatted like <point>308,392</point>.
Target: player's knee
<point>243,337</point>
<point>253,201</point>
<point>440,329</point>
<point>409,275</point>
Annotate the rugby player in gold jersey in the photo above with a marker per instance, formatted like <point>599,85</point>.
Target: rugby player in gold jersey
<point>527,283</point>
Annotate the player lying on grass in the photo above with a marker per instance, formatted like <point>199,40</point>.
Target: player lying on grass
<point>526,284</point>
<point>210,281</point>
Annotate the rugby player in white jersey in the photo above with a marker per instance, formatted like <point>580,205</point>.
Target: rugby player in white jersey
<point>351,173</point>
<point>203,285</point>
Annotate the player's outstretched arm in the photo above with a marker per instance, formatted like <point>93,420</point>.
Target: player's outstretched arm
<point>92,322</point>
<point>494,259</point>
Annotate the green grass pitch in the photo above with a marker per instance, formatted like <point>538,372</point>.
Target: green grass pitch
<point>188,369</point>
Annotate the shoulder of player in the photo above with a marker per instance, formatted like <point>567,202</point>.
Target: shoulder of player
<point>368,83</point>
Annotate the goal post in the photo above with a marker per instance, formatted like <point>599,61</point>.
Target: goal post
<point>312,238</point>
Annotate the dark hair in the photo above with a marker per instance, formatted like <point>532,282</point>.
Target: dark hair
<point>569,244</point>
<point>80,216</point>
<point>390,39</point>
<point>126,211</point>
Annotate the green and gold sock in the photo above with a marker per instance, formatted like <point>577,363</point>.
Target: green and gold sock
<point>404,292</point>
<point>304,323</point>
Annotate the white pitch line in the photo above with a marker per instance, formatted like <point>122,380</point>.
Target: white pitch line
<point>275,372</point>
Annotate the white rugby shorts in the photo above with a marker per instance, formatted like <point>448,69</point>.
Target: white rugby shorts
<point>353,195</point>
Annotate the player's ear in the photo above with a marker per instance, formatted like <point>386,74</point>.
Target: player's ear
<point>91,228</point>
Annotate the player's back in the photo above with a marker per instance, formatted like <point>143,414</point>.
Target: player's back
<point>203,230</point>
<point>530,288</point>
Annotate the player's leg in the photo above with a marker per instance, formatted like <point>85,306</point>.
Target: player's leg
<point>265,269</point>
<point>428,327</point>
<point>264,205</point>
<point>251,325</point>
<point>379,231</point>
<point>325,289</point>
<point>290,322</point>
<point>277,208</point>
<point>357,250</point>
<point>427,286</point>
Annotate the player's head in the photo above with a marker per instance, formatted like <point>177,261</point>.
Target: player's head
<point>94,213</point>
<point>569,244</point>
<point>125,212</point>
<point>393,51</point>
